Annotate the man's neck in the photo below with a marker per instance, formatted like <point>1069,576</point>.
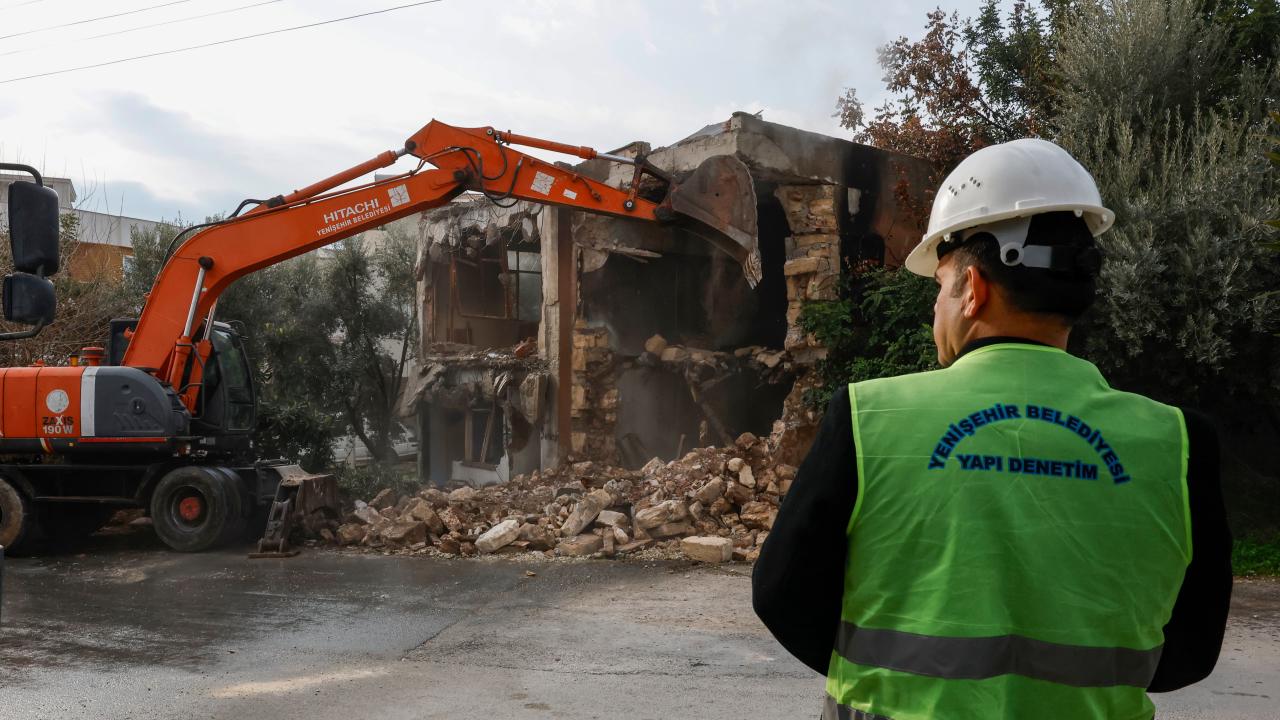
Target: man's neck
<point>1034,329</point>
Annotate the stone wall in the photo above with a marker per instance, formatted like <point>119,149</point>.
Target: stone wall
<point>813,272</point>
<point>812,267</point>
<point>594,408</point>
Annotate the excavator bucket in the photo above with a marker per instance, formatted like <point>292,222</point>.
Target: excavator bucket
<point>720,195</point>
<point>302,500</point>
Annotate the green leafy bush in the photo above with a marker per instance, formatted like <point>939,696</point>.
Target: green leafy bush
<point>1255,557</point>
<point>881,327</point>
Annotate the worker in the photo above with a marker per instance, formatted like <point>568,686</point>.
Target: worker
<point>1009,536</point>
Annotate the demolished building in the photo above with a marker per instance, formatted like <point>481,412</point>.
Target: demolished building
<point>550,335</point>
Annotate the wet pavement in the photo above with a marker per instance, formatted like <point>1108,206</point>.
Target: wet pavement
<point>123,631</point>
<point>128,629</point>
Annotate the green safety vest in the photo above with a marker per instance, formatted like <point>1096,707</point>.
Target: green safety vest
<point>1020,534</point>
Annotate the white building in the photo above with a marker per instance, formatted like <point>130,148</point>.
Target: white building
<point>105,239</point>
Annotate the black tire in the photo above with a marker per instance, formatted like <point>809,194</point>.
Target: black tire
<point>196,508</point>
<point>16,516</point>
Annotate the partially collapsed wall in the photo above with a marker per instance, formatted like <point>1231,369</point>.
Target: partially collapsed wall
<point>551,336</point>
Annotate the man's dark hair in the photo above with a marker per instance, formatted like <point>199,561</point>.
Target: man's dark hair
<point>1064,293</point>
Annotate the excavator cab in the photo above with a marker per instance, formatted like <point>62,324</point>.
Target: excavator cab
<point>226,406</point>
<point>227,403</point>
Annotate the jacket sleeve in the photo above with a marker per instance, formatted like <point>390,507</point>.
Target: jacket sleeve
<point>1193,635</point>
<point>798,581</point>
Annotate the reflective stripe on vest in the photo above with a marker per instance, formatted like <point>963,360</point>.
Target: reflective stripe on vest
<point>978,658</point>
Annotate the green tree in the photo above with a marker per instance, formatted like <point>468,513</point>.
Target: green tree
<point>149,247</point>
<point>1181,161</point>
<point>962,86</point>
<point>373,296</point>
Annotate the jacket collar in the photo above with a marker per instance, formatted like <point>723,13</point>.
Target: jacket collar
<point>996,340</point>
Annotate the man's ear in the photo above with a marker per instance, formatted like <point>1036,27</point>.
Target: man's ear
<point>977,293</point>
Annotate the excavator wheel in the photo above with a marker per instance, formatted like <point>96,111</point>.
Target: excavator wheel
<point>16,516</point>
<point>195,508</point>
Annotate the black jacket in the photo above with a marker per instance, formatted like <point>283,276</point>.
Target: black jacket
<point>798,581</point>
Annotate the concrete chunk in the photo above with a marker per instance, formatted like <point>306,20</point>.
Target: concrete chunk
<point>738,494</point>
<point>671,529</point>
<point>758,515</point>
<point>384,499</point>
<point>585,512</point>
<point>613,518</point>
<point>368,515</point>
<point>462,494</point>
<point>674,354</point>
<point>710,492</point>
<point>620,536</point>
<point>428,515</point>
<point>662,513</point>
<point>580,545</point>
<point>405,533</point>
<point>351,533</point>
<point>707,549</point>
<point>499,535</point>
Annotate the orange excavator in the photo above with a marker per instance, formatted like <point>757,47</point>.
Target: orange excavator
<point>161,417</point>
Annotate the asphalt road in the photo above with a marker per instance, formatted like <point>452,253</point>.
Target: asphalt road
<point>128,629</point>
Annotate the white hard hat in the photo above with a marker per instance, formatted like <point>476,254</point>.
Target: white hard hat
<point>1000,184</point>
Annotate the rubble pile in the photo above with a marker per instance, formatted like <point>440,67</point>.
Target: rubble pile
<point>712,505</point>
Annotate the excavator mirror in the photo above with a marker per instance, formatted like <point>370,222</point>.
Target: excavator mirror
<point>28,299</point>
<point>33,228</point>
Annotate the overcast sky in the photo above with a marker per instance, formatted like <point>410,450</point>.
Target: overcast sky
<point>190,134</point>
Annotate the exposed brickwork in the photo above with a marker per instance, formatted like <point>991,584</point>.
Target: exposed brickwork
<point>594,409</point>
<point>812,268</point>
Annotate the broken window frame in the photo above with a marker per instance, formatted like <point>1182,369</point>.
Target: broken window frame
<point>511,288</point>
<point>455,292</point>
<point>492,434</point>
<point>534,280</point>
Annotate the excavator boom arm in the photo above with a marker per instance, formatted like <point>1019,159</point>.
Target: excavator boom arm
<point>480,159</point>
